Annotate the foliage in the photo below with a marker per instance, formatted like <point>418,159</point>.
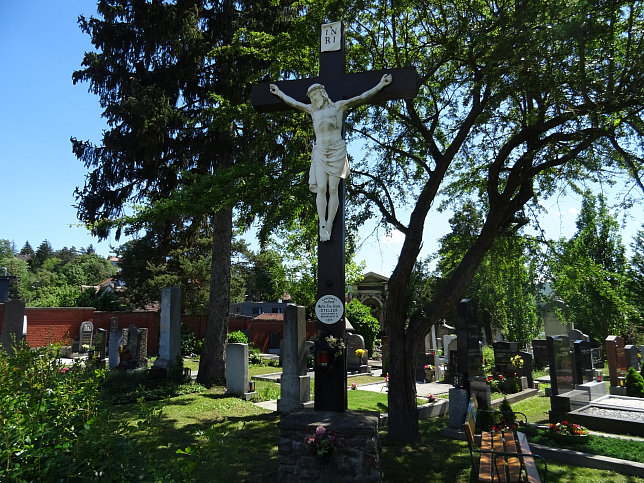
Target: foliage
<point>54,427</point>
<point>363,322</point>
<point>505,284</point>
<point>515,104</point>
<point>567,428</point>
<point>237,337</point>
<point>589,273</point>
<point>634,383</point>
<point>126,387</point>
<point>56,277</point>
<point>324,441</point>
<point>190,345</point>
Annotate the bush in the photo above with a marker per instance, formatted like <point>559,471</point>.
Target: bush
<point>53,426</point>
<point>634,383</point>
<point>237,337</point>
<point>363,322</point>
<point>190,345</point>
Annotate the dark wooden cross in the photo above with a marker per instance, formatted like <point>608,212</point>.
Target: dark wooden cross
<point>331,380</point>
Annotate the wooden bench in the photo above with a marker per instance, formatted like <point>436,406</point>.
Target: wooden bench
<point>505,455</point>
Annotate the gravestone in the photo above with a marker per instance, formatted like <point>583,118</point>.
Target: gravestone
<point>540,353</point>
<point>452,359</point>
<point>86,335</point>
<point>631,353</point>
<point>114,342</point>
<point>4,284</point>
<point>596,354</point>
<point>582,362</point>
<point>136,348</point>
<point>355,363</point>
<point>100,343</point>
<point>469,355</point>
<point>503,352</point>
<point>295,383</point>
<point>12,324</point>
<point>616,359</point>
<point>560,364</point>
<point>237,382</point>
<point>169,328</point>
<point>528,367</point>
<point>576,334</point>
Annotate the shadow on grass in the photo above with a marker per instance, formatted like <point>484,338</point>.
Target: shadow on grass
<point>433,458</point>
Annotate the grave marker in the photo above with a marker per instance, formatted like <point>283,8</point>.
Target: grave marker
<point>616,359</point>
<point>295,383</point>
<point>330,383</point>
<point>13,322</point>
<point>560,364</point>
<point>582,362</point>
<point>86,335</point>
<point>503,352</point>
<point>169,328</point>
<point>631,353</point>
<point>540,352</point>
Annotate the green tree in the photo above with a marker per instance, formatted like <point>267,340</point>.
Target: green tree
<point>589,273</point>
<point>43,252</point>
<point>517,100</point>
<point>505,284</point>
<point>363,322</point>
<point>636,278</point>
<point>174,82</point>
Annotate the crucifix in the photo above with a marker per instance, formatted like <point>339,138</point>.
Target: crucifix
<point>330,94</point>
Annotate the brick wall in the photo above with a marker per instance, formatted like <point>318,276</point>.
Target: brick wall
<point>62,324</point>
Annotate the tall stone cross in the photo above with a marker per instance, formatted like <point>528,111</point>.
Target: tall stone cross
<point>330,371</point>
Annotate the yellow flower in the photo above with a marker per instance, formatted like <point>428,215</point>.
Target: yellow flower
<point>360,352</point>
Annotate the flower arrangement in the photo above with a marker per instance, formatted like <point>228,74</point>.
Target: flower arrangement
<point>566,431</point>
<point>324,441</point>
<point>431,398</point>
<point>336,343</point>
<point>517,361</point>
<point>354,386</point>
<point>429,367</point>
<point>360,353</point>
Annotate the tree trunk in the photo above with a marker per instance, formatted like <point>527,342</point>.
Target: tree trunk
<point>212,365</point>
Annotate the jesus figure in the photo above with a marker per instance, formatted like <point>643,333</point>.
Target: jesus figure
<point>329,161</point>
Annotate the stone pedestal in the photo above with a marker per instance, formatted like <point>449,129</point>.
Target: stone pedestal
<point>357,461</point>
<point>595,389</point>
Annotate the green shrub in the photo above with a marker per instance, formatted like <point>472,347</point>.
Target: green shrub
<point>237,337</point>
<point>190,345</point>
<point>634,383</point>
<point>254,356</point>
<point>53,426</point>
<point>363,322</point>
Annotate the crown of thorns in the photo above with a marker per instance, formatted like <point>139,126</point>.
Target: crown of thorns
<point>314,87</point>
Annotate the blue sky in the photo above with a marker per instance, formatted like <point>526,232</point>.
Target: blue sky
<point>40,47</point>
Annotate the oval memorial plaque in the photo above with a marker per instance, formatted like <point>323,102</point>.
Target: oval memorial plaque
<point>329,309</point>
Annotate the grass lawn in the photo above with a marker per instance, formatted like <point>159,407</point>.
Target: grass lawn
<point>210,437</point>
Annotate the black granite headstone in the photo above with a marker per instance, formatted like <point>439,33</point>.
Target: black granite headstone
<point>527,368</point>
<point>540,353</point>
<point>469,356</point>
<point>582,362</point>
<point>560,364</point>
<point>503,352</point>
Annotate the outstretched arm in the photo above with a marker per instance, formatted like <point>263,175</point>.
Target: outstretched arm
<point>362,98</point>
<point>289,100</point>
